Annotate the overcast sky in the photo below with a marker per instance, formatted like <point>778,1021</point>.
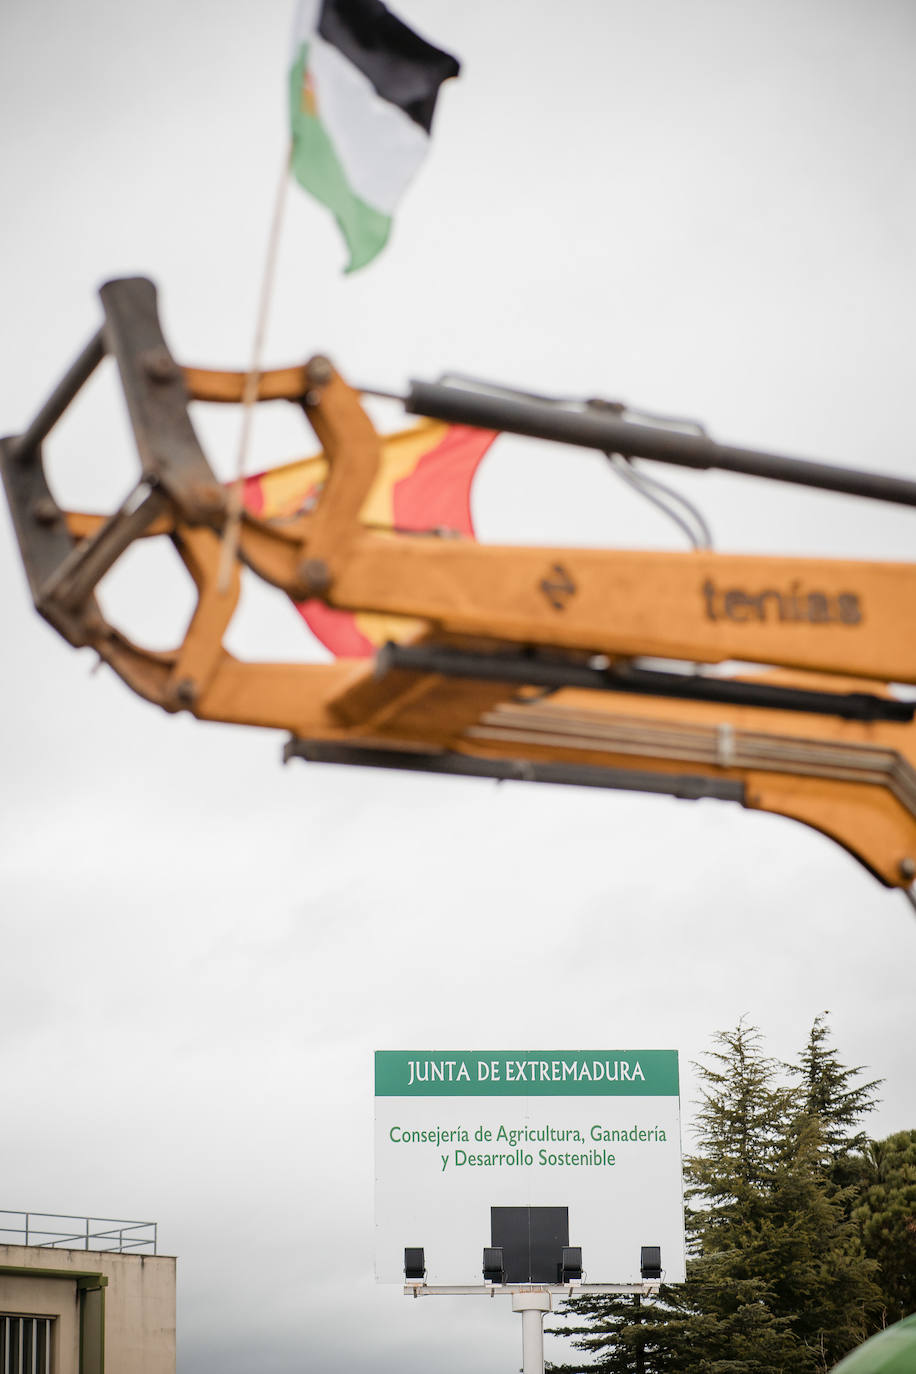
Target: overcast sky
<point>705,208</point>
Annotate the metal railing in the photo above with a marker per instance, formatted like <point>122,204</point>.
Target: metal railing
<point>93,1233</point>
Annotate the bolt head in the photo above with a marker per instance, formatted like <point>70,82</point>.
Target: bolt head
<point>159,365</point>
<point>185,692</point>
<point>45,512</point>
<point>208,499</point>
<point>315,576</point>
<point>320,371</point>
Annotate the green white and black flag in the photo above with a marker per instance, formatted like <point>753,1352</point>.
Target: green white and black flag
<point>363,90</point>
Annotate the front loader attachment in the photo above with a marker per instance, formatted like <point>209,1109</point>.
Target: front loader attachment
<point>510,663</point>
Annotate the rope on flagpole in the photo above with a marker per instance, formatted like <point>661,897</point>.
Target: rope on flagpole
<point>232,528</point>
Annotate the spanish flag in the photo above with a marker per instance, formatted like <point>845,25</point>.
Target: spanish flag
<point>423,485</point>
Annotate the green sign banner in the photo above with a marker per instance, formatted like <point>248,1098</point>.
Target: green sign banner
<point>526,1073</point>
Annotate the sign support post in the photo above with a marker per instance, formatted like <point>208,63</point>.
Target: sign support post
<point>531,1302</point>
<point>532,1307</point>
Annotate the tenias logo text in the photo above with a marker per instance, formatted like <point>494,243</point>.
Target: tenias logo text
<point>794,604</point>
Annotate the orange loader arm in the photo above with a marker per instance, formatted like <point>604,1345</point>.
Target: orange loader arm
<point>509,662</point>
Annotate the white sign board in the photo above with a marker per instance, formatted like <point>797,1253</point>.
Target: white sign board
<point>460,1133</point>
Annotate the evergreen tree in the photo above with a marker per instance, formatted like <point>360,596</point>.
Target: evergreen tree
<point>886,1217</point>
<point>837,1102</point>
<point>770,1216</point>
<point>722,1320</point>
<point>776,1280</point>
<point>821,1278</point>
<point>834,1104</point>
<point>688,1328</point>
<point>614,1332</point>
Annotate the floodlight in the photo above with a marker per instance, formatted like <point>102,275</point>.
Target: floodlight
<point>650,1261</point>
<point>493,1268</point>
<point>571,1264</point>
<point>414,1264</point>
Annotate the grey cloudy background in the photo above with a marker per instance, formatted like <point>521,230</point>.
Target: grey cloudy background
<point>704,208</point>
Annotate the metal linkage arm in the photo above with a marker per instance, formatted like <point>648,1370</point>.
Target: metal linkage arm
<point>538,670</point>
<point>609,434</point>
<point>157,400</point>
<point>499,678</point>
<point>73,381</point>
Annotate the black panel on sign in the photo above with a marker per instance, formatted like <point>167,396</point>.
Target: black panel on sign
<point>532,1240</point>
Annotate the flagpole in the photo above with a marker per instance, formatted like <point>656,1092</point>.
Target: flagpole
<point>232,528</point>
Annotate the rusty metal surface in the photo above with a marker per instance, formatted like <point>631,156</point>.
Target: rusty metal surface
<point>45,542</point>
<point>157,399</point>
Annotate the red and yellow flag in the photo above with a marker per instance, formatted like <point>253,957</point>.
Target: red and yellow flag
<point>423,483</point>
